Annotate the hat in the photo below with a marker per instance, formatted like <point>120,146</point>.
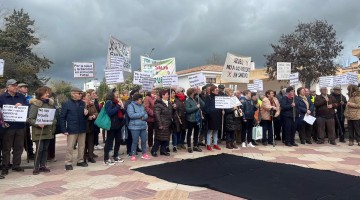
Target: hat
<point>221,86</point>
<point>11,82</point>
<point>75,89</point>
<point>336,88</point>
<point>22,85</point>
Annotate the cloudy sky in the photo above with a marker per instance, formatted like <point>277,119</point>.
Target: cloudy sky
<point>191,31</point>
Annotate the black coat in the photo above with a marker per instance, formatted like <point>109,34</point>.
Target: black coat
<point>287,109</point>
<point>179,115</point>
<point>163,118</point>
<point>213,115</point>
<point>340,108</point>
<point>232,123</point>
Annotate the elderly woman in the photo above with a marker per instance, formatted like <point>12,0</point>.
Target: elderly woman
<point>179,118</point>
<point>90,127</point>
<point>352,113</point>
<point>163,113</point>
<point>270,108</point>
<point>41,133</point>
<point>149,107</point>
<point>232,122</point>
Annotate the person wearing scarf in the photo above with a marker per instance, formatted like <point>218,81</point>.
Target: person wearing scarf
<point>179,117</point>
<point>290,111</point>
<point>90,127</point>
<point>270,108</point>
<point>306,107</point>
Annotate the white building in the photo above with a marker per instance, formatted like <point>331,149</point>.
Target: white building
<point>93,84</point>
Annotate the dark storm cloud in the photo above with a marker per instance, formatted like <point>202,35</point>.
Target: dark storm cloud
<point>190,31</point>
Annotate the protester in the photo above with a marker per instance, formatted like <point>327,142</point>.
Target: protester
<point>115,109</point>
<point>163,113</point>
<point>1,136</point>
<point>129,138</point>
<point>137,124</point>
<point>172,127</point>
<point>203,126</point>
<point>13,136</point>
<point>90,128</point>
<point>306,107</point>
<point>179,117</point>
<point>41,133</point>
<point>339,116</point>
<point>232,122</point>
<point>290,112</point>
<point>96,130</point>
<point>248,108</point>
<point>149,107</point>
<point>352,113</point>
<point>214,118</point>
<point>270,109</point>
<point>193,107</point>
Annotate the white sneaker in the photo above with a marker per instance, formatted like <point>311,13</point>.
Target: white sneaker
<point>109,162</point>
<point>250,145</point>
<point>243,145</point>
<point>118,160</point>
<point>98,147</point>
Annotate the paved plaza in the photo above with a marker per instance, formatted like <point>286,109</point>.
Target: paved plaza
<point>120,182</point>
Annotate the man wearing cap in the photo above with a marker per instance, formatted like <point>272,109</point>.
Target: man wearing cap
<point>339,116</point>
<point>73,125</point>
<point>23,89</point>
<point>325,110</point>
<point>13,137</point>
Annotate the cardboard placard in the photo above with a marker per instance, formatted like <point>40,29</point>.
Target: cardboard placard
<point>139,76</point>
<point>148,84</point>
<point>197,80</point>
<point>222,102</point>
<point>83,69</point>
<point>45,116</point>
<point>13,114</point>
<point>294,78</point>
<point>326,81</point>
<point>236,69</point>
<point>170,80</point>
<point>258,85</point>
<point>283,70</point>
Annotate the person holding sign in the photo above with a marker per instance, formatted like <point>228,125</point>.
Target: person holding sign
<point>41,133</point>
<point>306,107</point>
<point>179,119</point>
<point>232,122</point>
<point>13,136</point>
<point>249,108</point>
<point>90,128</point>
<point>213,117</point>
<point>270,109</point>
<point>325,110</point>
<point>339,116</point>
<point>352,113</point>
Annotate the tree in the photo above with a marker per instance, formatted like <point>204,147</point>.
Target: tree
<point>311,49</point>
<point>128,84</point>
<point>62,90</point>
<point>17,41</point>
<point>103,89</point>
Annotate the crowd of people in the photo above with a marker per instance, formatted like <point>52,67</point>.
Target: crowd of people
<point>187,120</point>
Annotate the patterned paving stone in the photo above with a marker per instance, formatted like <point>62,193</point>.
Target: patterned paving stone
<point>211,195</point>
<point>42,189</point>
<point>172,194</point>
<point>350,161</point>
<point>131,190</point>
<point>116,170</point>
<point>161,185</point>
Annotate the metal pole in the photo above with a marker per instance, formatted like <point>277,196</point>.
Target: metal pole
<point>222,123</point>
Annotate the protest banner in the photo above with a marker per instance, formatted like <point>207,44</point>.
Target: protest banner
<point>83,69</point>
<point>294,78</point>
<point>2,64</point>
<point>139,76</point>
<point>234,101</point>
<point>119,55</point>
<point>45,116</point>
<point>158,68</point>
<point>170,80</point>
<point>352,78</point>
<point>147,84</point>
<point>222,102</point>
<point>113,76</point>
<point>15,114</point>
<point>251,87</point>
<point>326,81</point>
<point>283,70</point>
<point>258,85</point>
<point>197,80</point>
<point>236,69</point>
<point>340,80</point>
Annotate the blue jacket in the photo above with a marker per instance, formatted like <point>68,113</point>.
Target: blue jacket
<point>287,109</point>
<point>135,113</point>
<point>248,108</point>
<point>72,117</point>
<point>7,99</point>
<point>302,106</point>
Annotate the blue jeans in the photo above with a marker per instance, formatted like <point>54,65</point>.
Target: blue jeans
<point>215,136</point>
<point>175,138</point>
<point>135,138</point>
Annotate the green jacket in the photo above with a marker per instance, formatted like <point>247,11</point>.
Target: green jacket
<point>191,108</point>
<point>48,131</point>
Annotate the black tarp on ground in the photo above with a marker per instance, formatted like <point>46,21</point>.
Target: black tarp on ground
<point>255,179</point>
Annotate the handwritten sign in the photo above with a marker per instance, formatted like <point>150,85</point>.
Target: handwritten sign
<point>197,80</point>
<point>13,114</point>
<point>352,78</point>
<point>170,80</point>
<point>236,69</point>
<point>119,55</point>
<point>235,101</point>
<point>148,84</point>
<point>222,102</point>
<point>251,87</point>
<point>294,78</point>
<point>283,70</point>
<point>139,76</point>
<point>326,81</point>
<point>258,85</point>
<point>45,116</point>
<point>341,80</point>
<point>83,69</point>
<point>113,76</point>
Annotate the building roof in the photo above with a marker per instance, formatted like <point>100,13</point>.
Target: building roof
<point>213,68</point>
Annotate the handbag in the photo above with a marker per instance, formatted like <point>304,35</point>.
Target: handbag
<point>103,120</point>
<point>257,132</point>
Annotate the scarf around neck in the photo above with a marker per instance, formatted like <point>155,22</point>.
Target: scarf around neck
<point>304,98</point>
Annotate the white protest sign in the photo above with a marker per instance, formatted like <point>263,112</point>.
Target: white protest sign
<point>2,63</point>
<point>283,70</point>
<point>83,69</point>
<point>222,102</point>
<point>258,85</point>
<point>148,84</point>
<point>119,55</point>
<point>235,101</point>
<point>113,76</point>
<point>294,78</point>
<point>326,81</point>
<point>13,114</point>
<point>340,80</point>
<point>236,69</point>
<point>197,80</point>
<point>45,116</point>
<point>352,78</point>
<point>170,80</point>
<point>139,76</point>
<point>251,87</point>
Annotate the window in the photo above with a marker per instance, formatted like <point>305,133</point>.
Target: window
<point>210,80</point>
